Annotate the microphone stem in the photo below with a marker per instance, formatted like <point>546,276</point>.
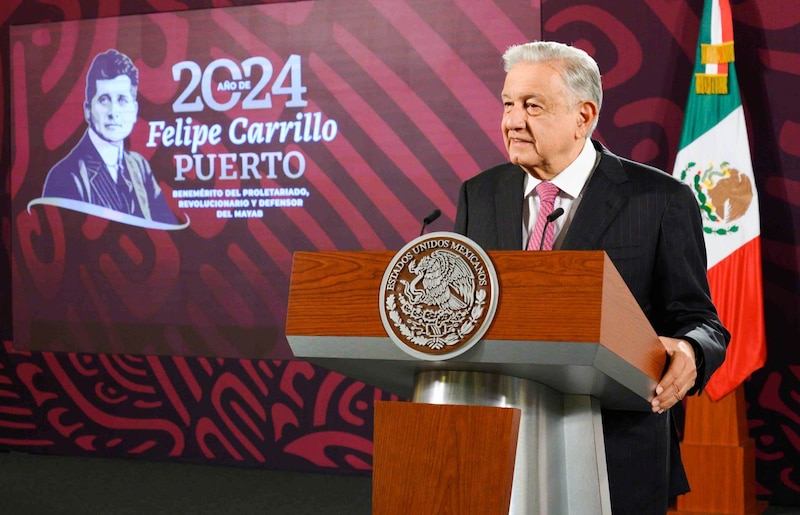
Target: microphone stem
<point>552,217</point>
<point>544,233</point>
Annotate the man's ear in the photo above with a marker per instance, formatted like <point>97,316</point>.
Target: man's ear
<point>587,114</point>
<point>87,112</point>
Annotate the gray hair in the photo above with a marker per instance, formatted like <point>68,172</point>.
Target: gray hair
<point>578,69</point>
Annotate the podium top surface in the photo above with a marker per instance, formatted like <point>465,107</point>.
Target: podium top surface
<point>564,318</point>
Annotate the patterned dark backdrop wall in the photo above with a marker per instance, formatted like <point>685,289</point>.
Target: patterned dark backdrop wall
<point>290,415</point>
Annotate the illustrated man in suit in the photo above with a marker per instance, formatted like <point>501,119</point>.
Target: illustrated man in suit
<point>645,220</point>
<point>99,170</point>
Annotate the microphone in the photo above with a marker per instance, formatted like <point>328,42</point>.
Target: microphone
<point>430,218</point>
<point>552,217</point>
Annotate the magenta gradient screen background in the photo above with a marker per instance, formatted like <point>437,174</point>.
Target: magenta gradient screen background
<point>374,122</point>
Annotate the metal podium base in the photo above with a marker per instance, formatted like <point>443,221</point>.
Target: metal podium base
<point>561,461</point>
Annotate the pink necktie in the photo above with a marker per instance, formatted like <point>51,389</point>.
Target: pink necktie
<point>547,192</point>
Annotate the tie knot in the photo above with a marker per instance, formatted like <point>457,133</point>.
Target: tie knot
<point>547,192</point>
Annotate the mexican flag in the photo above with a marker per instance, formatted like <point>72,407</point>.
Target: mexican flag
<point>714,159</point>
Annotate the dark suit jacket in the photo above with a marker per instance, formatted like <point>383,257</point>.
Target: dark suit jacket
<point>83,176</point>
<point>649,225</point>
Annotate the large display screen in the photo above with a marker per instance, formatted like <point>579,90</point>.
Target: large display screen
<point>167,166</point>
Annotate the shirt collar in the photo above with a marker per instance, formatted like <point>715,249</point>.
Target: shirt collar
<point>572,179</point>
<point>109,153</point>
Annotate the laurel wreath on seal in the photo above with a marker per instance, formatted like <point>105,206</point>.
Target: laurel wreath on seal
<point>421,320</point>
<point>700,181</point>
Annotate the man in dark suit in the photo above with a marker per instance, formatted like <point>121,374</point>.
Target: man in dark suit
<point>99,171</point>
<point>646,221</point>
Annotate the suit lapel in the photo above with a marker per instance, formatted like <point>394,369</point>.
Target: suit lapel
<point>605,194</point>
<point>137,178</point>
<point>94,167</point>
<point>91,158</point>
<point>508,209</point>
<point>100,185</point>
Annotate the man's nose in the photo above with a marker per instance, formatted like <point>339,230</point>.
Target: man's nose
<point>114,109</point>
<point>515,118</point>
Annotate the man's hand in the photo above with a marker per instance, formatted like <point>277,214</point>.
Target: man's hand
<point>680,376</point>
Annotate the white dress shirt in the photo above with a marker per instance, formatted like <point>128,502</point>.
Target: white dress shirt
<point>570,182</point>
<point>110,154</point>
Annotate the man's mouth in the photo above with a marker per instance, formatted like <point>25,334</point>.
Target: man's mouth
<point>513,138</point>
<point>518,141</point>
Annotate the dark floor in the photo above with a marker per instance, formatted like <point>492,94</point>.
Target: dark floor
<point>57,485</point>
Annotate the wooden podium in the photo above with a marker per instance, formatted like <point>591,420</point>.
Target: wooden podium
<point>567,338</point>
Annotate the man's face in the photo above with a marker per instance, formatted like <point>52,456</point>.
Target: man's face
<point>544,127</point>
<point>113,109</point>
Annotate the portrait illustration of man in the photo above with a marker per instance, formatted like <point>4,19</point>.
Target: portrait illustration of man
<point>99,171</point>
